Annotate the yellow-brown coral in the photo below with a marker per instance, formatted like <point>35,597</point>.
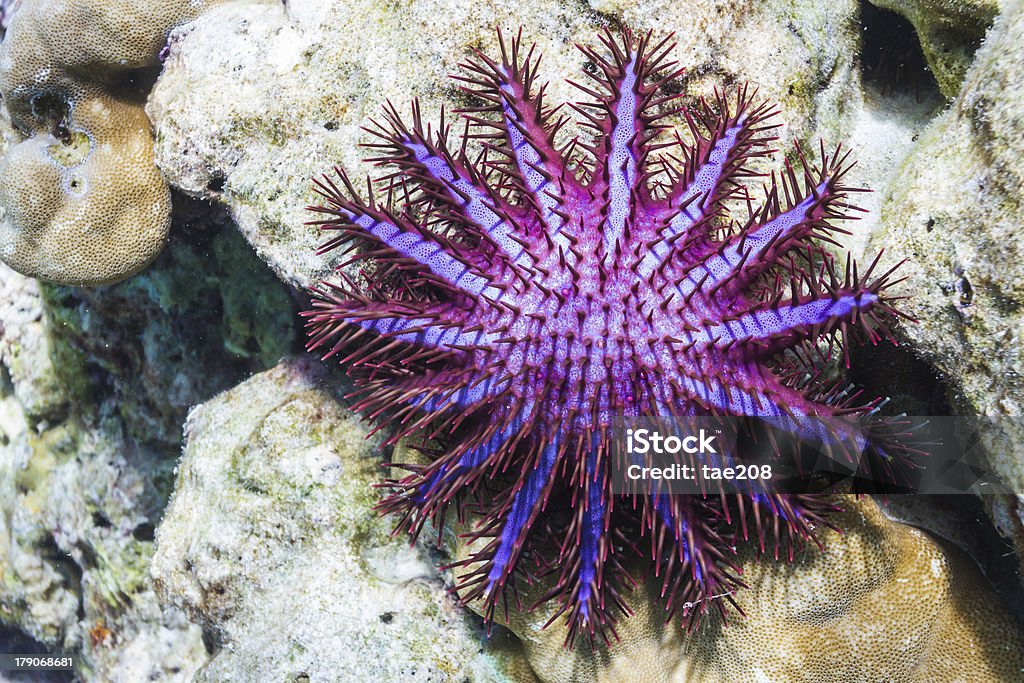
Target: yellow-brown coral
<point>81,201</point>
<point>884,602</point>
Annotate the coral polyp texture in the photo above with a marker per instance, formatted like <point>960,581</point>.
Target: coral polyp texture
<point>81,200</point>
<point>520,291</point>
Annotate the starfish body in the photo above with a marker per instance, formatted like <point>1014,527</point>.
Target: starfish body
<point>516,303</point>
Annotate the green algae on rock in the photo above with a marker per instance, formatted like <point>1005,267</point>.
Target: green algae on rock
<point>203,316</point>
<point>271,534</point>
<point>77,514</point>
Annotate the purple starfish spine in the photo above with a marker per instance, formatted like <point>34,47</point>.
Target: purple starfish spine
<point>526,288</point>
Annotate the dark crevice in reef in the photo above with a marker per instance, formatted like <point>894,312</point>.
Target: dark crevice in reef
<point>199,320</point>
<point>891,59</point>
<point>910,383</point>
<point>50,553</point>
<point>995,554</point>
<point>916,388</point>
<point>212,640</point>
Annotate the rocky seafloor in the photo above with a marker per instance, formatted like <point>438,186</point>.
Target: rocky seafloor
<point>185,495</point>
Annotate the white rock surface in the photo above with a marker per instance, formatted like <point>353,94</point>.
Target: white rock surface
<point>257,98</point>
<point>272,542</point>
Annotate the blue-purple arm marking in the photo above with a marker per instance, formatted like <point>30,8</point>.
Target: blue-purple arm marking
<point>705,182</point>
<point>525,503</point>
<point>474,457</point>
<point>621,163</point>
<point>590,535</point>
<point>473,200</point>
<point>746,251</point>
<point>428,252</point>
<point>766,323</point>
<point>537,176</point>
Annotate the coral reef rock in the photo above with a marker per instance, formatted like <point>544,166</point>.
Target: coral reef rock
<point>270,535</point>
<point>884,602</point>
<point>956,215</point>
<point>94,387</point>
<point>26,348</point>
<point>949,31</point>
<point>78,502</point>
<point>257,98</point>
<point>270,541</point>
<point>81,201</point>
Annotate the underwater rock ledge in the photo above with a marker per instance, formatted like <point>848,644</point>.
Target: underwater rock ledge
<point>270,542</point>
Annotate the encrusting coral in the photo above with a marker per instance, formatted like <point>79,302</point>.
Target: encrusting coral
<point>885,602</point>
<point>81,201</point>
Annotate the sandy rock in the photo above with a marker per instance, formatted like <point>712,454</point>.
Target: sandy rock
<point>257,98</point>
<point>270,541</point>
<point>956,215</point>
<point>26,347</point>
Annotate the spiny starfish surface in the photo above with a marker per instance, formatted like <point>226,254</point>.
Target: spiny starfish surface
<point>528,286</point>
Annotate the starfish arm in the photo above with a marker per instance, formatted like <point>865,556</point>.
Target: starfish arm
<point>695,572</point>
<point>781,521</point>
<point>787,323</point>
<point>781,225</point>
<point>712,165</point>
<point>624,117</point>
<point>449,473</point>
<point>444,179</point>
<point>336,320</point>
<point>496,561</point>
<point>717,391</point>
<point>425,494</point>
<point>592,530</point>
<point>401,239</point>
<point>589,574</point>
<point>621,165</point>
<point>525,131</point>
<point>752,246</point>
